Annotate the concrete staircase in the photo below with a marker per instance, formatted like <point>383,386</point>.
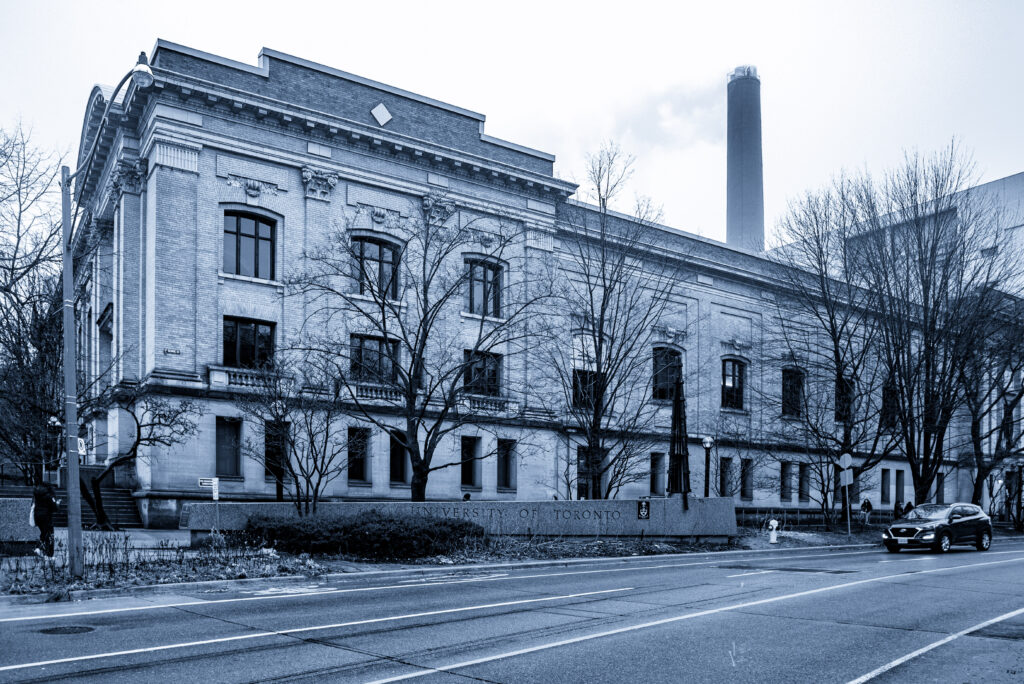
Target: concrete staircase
<point>118,503</point>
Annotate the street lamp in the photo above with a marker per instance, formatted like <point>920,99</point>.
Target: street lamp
<point>142,76</point>
<point>708,442</point>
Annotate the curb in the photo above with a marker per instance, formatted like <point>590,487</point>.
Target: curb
<point>212,585</point>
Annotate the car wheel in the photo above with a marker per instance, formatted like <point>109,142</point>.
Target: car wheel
<point>943,543</point>
<point>892,548</point>
<point>984,541</point>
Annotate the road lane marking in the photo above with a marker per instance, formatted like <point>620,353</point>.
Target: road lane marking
<point>406,585</point>
<point>299,630</point>
<point>759,572</point>
<point>427,670</point>
<point>921,651</point>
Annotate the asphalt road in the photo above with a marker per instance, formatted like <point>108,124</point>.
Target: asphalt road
<point>795,616</point>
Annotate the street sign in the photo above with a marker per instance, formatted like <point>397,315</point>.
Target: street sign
<point>845,461</point>
<point>845,478</point>
<point>81,447</point>
<point>216,488</point>
<point>206,481</point>
<point>643,510</point>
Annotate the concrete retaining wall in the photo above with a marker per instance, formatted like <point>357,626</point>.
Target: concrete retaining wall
<point>16,535</point>
<point>613,518</point>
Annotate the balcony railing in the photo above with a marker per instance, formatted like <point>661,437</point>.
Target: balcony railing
<point>378,392</point>
<point>484,404</point>
<point>245,378</point>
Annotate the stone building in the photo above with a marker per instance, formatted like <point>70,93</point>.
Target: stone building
<point>210,186</point>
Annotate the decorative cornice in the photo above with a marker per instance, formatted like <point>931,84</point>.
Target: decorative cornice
<point>671,335</point>
<point>318,182</point>
<point>176,157</point>
<point>437,209</point>
<point>253,188</point>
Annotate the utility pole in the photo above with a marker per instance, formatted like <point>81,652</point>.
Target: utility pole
<point>75,550</point>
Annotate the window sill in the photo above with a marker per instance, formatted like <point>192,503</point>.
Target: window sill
<point>506,490</point>
<point>355,296</point>
<point>400,485</point>
<point>360,483</point>
<point>250,279</point>
<point>230,478</point>
<point>735,412</point>
<point>478,317</point>
<point>472,488</point>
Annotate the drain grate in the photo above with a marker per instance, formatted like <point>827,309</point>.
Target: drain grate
<point>67,629</point>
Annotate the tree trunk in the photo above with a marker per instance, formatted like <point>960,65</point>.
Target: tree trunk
<point>419,487</point>
<point>979,489</point>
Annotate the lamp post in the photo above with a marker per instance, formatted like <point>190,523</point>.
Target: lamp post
<point>142,76</point>
<point>707,442</point>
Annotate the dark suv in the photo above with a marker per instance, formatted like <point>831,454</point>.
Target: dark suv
<point>939,526</point>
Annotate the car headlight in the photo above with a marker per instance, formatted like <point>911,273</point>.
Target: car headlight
<point>885,534</point>
<point>928,535</point>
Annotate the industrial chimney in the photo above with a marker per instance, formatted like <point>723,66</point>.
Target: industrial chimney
<point>744,217</point>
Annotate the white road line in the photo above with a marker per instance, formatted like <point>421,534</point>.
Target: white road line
<point>759,572</point>
<point>952,637</point>
<point>677,618</point>
<point>299,630</point>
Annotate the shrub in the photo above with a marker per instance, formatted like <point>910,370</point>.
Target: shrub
<point>368,535</point>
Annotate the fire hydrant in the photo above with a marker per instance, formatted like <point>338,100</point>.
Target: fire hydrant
<point>773,534</point>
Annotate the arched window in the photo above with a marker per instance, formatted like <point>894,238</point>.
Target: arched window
<point>668,369</point>
<point>248,245</point>
<point>733,378</point>
<point>376,266</point>
<point>792,392</point>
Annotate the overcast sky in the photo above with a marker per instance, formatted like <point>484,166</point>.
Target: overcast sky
<point>844,85</point>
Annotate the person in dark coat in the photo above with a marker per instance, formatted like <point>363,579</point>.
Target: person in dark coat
<point>906,509</point>
<point>45,502</point>
<point>897,511</point>
<point>865,513</point>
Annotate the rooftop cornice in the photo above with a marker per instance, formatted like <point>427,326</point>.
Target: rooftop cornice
<point>344,132</point>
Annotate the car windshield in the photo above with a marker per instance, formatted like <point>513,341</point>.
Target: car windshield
<point>928,512</point>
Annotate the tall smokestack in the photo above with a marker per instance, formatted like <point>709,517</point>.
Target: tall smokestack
<point>744,216</point>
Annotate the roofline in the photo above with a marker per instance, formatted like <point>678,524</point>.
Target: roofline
<point>264,70</point>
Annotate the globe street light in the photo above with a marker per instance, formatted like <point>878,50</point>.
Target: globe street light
<point>708,442</point>
<point>142,76</point>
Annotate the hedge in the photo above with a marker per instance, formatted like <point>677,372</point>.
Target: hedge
<point>368,535</point>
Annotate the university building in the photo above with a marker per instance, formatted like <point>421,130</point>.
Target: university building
<point>210,187</point>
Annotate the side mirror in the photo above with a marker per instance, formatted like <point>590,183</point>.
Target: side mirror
<point>954,516</point>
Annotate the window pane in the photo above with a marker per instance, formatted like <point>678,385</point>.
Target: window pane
<point>476,297</point>
<point>247,256</point>
<point>264,345</point>
<point>230,343</point>
<point>246,345</point>
<point>246,226</point>
<point>230,263</point>
<point>266,230</point>
<point>266,249</point>
<point>398,458</point>
<point>358,452</point>
<point>228,433</point>
<point>469,447</point>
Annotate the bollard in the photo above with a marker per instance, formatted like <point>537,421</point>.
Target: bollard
<point>773,535</point>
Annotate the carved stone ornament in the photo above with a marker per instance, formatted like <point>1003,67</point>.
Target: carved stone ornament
<point>671,335</point>
<point>253,188</point>
<point>437,209</point>
<point>737,344</point>
<point>318,183</point>
<point>129,176</point>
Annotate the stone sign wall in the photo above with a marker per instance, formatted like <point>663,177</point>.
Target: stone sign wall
<point>611,518</point>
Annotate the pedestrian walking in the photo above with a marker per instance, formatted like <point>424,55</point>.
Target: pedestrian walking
<point>44,507</point>
<point>897,511</point>
<point>865,513</point>
<point>906,509</point>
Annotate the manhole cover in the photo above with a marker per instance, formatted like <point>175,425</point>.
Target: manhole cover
<point>69,629</point>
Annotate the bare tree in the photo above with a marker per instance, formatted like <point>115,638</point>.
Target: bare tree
<point>424,314</point>
<point>612,295</point>
<point>836,394</point>
<point>300,403</point>
<point>933,254</point>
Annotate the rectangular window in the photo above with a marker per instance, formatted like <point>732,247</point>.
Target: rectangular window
<point>888,417</point>
<point>940,488</point>
<point>845,388</point>
<point>886,491</point>
<point>668,370</point>
<point>900,484</point>
<point>746,479</point>
<point>585,387</point>
<point>373,359</point>
<point>399,458</point>
<point>275,449</point>
<point>804,482</point>
<point>482,373</point>
<point>471,462</point>
<point>506,464</point>
<point>583,477</point>
<point>358,454</point>
<point>786,486</point>
<point>484,288</point>
<point>376,267</point>
<point>792,392</point>
<point>725,476</point>
<point>229,441</point>
<point>248,245</point>
<point>657,474</point>
<point>732,384</point>
<point>248,343</point>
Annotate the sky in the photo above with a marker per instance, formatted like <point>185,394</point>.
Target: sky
<point>844,85</point>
